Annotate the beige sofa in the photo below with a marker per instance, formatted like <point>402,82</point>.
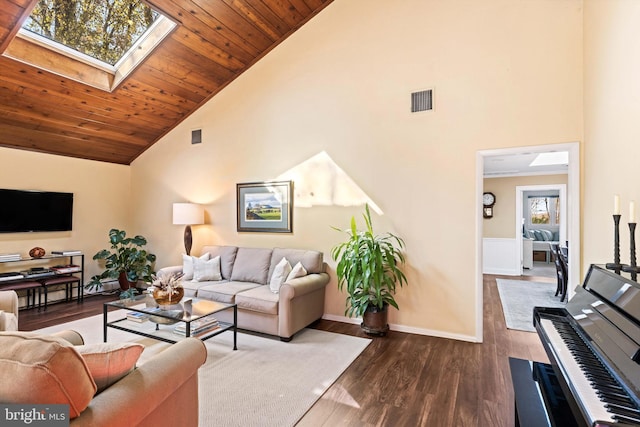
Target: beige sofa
<point>163,391</point>
<point>245,276</point>
<point>8,311</point>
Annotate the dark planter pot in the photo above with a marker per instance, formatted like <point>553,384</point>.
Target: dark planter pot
<point>374,321</point>
<point>124,282</point>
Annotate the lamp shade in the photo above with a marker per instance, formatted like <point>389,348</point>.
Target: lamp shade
<point>188,214</point>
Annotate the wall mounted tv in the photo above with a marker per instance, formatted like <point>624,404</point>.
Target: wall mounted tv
<point>25,211</point>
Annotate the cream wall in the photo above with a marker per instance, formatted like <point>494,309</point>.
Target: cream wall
<point>504,74</point>
<point>612,127</point>
<point>101,195</point>
<point>503,223</point>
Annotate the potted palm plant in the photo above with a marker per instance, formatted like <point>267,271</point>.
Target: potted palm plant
<point>127,261</point>
<point>368,266</point>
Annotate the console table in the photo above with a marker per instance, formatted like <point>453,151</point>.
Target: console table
<point>52,270</point>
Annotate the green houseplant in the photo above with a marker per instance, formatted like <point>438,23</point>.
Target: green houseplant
<point>368,266</point>
<point>127,261</point>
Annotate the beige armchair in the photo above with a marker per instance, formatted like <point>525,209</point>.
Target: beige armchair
<point>8,311</point>
<point>162,391</point>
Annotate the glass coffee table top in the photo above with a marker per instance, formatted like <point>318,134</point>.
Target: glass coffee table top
<point>193,317</point>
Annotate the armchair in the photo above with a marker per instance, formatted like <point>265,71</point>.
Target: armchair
<point>8,311</point>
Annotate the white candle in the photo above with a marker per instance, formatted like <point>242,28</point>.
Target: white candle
<point>632,211</point>
<point>616,205</point>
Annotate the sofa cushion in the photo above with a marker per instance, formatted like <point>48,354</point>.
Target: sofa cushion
<point>224,291</point>
<point>188,265</point>
<point>252,265</point>
<point>207,270</point>
<point>191,287</point>
<point>311,260</point>
<point>43,370</point>
<point>227,256</point>
<point>280,273</point>
<point>109,362</point>
<point>259,299</point>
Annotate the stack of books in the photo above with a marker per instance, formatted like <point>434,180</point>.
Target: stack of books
<point>68,252</point>
<point>197,326</point>
<point>10,257</point>
<point>137,317</point>
<point>64,269</point>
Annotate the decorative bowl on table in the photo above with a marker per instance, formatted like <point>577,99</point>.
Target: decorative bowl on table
<point>167,288</point>
<point>168,297</point>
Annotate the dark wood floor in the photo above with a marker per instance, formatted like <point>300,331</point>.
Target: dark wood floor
<point>401,379</point>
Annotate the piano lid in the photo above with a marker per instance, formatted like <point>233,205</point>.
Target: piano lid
<point>616,290</point>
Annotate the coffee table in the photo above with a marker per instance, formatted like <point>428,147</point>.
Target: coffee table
<point>192,317</point>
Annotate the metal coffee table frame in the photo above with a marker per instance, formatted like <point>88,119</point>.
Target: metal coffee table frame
<point>145,304</point>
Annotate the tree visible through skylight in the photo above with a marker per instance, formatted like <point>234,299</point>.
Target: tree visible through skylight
<point>103,29</point>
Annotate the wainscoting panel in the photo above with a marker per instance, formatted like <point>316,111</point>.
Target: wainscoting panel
<point>499,256</point>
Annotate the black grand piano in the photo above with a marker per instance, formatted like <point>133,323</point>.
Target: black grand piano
<point>594,348</point>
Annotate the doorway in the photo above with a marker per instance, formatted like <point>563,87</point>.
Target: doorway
<point>573,212</point>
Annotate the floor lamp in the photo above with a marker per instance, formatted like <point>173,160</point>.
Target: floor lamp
<point>188,214</point>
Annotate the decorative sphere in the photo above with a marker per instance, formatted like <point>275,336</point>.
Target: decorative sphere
<point>37,252</point>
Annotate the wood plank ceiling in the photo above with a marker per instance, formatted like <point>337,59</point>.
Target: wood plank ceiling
<point>215,41</point>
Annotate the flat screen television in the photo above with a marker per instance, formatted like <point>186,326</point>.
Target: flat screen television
<point>26,211</point>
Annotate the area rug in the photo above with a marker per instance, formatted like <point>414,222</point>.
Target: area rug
<point>519,297</point>
<point>265,382</point>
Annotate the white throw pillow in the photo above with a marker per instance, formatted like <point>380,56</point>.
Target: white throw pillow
<point>206,270</point>
<point>187,264</point>
<point>297,271</point>
<point>280,273</point>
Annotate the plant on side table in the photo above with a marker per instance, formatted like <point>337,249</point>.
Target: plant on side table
<point>369,267</point>
<point>127,261</point>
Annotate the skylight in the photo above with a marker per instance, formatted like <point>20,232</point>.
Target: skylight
<point>551,158</point>
<point>103,30</point>
<point>95,42</point>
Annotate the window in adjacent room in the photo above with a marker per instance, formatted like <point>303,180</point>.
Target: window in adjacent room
<point>544,210</point>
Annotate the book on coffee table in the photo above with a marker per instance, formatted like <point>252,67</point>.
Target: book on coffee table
<point>197,326</point>
<point>137,317</point>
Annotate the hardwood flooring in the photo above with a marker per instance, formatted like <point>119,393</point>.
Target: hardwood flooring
<point>401,379</point>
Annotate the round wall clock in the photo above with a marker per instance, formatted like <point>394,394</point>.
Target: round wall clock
<point>488,199</point>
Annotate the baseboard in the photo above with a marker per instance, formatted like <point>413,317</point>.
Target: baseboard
<point>501,271</point>
<point>406,329</point>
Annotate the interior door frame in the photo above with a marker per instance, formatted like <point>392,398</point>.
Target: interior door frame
<point>573,215</point>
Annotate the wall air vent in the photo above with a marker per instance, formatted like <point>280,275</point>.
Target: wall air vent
<point>196,136</point>
<point>422,101</point>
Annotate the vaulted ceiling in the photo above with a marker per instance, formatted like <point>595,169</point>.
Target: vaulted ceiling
<point>214,42</point>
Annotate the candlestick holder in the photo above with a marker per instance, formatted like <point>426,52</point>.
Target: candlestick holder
<point>632,267</point>
<point>615,265</point>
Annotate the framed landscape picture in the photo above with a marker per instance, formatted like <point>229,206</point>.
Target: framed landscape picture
<point>265,206</point>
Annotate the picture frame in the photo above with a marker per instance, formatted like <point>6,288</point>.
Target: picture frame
<point>265,207</point>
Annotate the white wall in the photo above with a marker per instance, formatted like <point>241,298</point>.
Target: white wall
<point>612,128</point>
<point>504,74</point>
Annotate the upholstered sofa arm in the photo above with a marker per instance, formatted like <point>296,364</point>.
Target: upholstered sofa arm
<point>8,322</point>
<point>9,302</point>
<point>170,269</point>
<point>161,391</point>
<point>303,285</point>
<point>72,337</point>
<point>301,302</point>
